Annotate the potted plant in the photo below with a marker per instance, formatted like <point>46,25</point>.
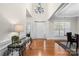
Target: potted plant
<point>15,40</point>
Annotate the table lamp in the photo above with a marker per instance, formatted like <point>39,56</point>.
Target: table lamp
<point>18,28</point>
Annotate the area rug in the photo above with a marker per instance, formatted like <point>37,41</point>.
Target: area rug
<point>72,50</point>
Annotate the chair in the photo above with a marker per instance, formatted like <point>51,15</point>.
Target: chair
<point>28,35</point>
<point>30,39</point>
<point>77,42</point>
<point>70,39</point>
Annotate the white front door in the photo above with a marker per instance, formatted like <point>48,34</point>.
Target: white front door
<point>40,29</point>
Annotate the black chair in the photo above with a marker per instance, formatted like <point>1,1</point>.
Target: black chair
<point>30,39</point>
<point>70,39</point>
<point>28,35</point>
<point>77,42</point>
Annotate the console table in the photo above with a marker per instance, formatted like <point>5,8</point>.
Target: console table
<point>20,47</point>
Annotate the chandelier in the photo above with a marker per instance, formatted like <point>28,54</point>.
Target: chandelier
<point>39,9</point>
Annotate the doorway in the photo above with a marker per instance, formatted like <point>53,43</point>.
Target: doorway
<point>40,29</point>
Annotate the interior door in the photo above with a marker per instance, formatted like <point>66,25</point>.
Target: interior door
<point>41,29</point>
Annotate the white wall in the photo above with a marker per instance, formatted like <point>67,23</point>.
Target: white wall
<point>77,25</point>
<point>5,27</point>
<point>73,21</point>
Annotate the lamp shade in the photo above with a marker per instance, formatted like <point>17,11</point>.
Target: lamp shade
<point>18,27</point>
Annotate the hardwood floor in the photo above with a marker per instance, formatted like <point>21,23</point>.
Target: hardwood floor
<point>42,47</point>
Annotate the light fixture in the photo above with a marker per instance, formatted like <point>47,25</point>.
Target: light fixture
<point>18,28</point>
<point>39,9</point>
